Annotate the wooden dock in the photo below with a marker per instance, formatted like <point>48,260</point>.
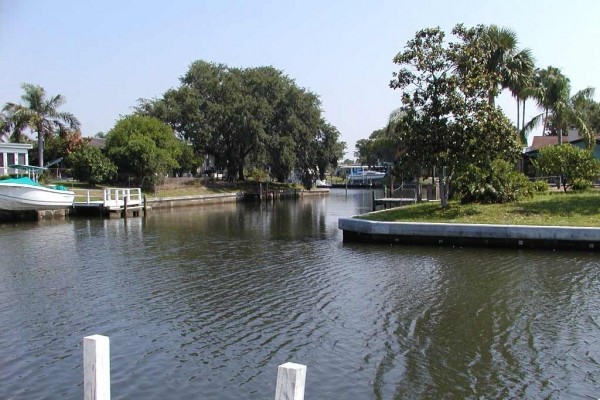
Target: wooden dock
<point>392,202</point>
<point>110,202</point>
<point>397,198</point>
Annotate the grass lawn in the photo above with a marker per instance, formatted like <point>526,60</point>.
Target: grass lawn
<point>560,209</point>
<point>193,187</point>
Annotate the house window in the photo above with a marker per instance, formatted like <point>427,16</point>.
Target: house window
<point>22,159</point>
<point>1,160</point>
<point>12,158</point>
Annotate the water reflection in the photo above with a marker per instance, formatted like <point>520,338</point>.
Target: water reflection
<point>210,300</point>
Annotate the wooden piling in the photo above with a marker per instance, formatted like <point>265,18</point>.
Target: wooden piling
<point>291,380</point>
<point>373,200</point>
<point>96,368</point>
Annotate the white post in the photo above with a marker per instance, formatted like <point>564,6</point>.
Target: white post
<point>291,378</point>
<point>96,368</point>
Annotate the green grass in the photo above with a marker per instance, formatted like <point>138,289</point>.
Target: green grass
<point>201,187</point>
<point>560,209</point>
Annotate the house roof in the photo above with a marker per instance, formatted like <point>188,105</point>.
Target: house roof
<point>98,142</point>
<point>543,141</point>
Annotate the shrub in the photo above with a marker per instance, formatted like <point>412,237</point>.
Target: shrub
<point>581,185</point>
<point>569,162</point>
<point>501,184</point>
<point>540,186</point>
<point>257,174</point>
<point>91,165</point>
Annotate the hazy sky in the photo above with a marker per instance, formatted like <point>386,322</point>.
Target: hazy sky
<point>104,55</point>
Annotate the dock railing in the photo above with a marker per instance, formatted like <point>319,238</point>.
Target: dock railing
<point>109,198</point>
<point>291,377</point>
<point>118,198</point>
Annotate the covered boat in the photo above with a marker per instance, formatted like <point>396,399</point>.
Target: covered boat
<point>25,193</point>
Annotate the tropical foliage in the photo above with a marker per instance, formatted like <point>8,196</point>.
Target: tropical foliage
<point>499,184</point>
<point>38,113</point>
<point>446,120</point>
<point>508,67</point>
<point>561,111</point>
<point>569,162</point>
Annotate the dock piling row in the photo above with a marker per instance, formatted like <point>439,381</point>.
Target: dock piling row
<point>291,377</point>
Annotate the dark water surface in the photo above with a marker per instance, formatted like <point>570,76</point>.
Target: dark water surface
<point>204,303</point>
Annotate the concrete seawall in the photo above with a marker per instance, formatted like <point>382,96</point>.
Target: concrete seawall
<point>517,236</point>
<point>199,200</point>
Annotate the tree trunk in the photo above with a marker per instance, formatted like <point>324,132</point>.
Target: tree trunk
<point>442,186</point>
<point>40,148</point>
<point>518,113</point>
<point>560,136</point>
<point>523,115</point>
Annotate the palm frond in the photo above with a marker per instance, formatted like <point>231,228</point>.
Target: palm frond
<point>532,124</point>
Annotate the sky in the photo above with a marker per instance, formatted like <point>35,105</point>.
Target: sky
<point>105,55</point>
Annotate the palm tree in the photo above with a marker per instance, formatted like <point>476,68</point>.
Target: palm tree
<point>561,111</point>
<point>512,68</point>
<point>39,114</point>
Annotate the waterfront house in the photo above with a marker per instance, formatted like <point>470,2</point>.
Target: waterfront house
<point>13,153</point>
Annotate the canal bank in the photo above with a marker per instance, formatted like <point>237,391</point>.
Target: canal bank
<point>234,197</point>
<point>139,206</point>
<point>445,234</point>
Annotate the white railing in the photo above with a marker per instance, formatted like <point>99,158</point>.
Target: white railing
<point>112,198</point>
<point>291,377</point>
<point>119,198</point>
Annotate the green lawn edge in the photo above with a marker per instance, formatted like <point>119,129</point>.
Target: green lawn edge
<point>553,209</point>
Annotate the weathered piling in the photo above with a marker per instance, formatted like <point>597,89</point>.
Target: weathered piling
<point>291,379</point>
<point>96,368</point>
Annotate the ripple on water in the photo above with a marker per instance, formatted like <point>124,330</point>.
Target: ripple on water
<point>199,302</point>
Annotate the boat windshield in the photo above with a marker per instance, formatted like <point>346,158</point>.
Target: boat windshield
<point>32,171</point>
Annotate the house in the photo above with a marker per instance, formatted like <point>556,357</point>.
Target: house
<point>13,153</point>
<point>540,142</point>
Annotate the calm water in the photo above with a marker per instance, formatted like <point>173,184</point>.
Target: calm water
<point>204,303</point>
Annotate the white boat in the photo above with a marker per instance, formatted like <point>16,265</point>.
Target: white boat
<point>25,193</point>
<point>358,174</point>
<point>322,184</point>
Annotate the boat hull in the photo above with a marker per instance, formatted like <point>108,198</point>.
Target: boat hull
<point>366,176</point>
<point>17,197</point>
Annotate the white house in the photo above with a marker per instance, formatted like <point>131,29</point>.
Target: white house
<point>13,153</point>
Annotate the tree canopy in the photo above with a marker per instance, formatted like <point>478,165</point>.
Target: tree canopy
<point>143,146</point>
<point>249,117</point>
<point>378,148</point>
<point>38,113</point>
<point>91,165</point>
<point>446,120</point>
<point>561,110</point>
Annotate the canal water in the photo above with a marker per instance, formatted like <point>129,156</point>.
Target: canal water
<point>205,303</point>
